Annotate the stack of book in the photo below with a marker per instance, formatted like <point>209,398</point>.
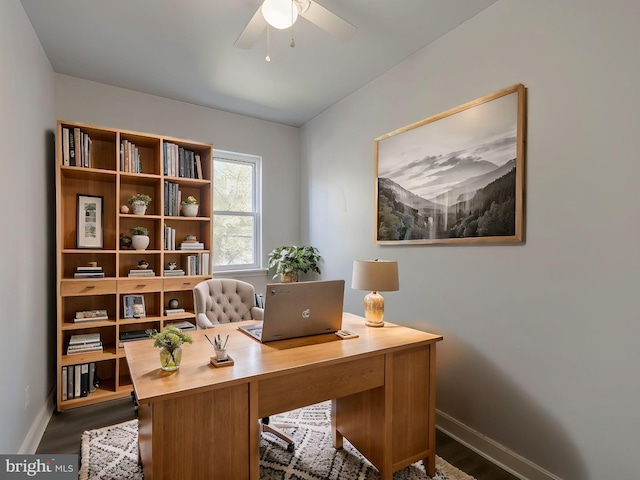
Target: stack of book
<point>90,315</point>
<point>177,272</point>
<point>88,272</point>
<point>133,335</point>
<point>79,380</point>
<point>130,160</point>
<point>169,238</point>
<point>173,311</point>
<point>141,272</point>
<point>76,147</point>
<point>191,245</point>
<point>84,343</point>
<point>184,325</point>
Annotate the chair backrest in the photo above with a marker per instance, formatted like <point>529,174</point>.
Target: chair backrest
<point>224,300</point>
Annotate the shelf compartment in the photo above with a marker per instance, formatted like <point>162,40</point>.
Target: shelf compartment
<point>130,184</point>
<point>97,301</point>
<point>130,262</point>
<point>148,149</point>
<point>81,258</point>
<point>103,145</point>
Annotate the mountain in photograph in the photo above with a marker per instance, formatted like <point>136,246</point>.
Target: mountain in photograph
<point>483,205</point>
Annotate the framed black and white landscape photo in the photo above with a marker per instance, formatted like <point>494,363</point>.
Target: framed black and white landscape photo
<point>89,222</point>
<point>455,177</point>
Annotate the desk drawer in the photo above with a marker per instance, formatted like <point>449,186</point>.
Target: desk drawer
<point>87,287</point>
<point>140,285</point>
<point>180,283</point>
<point>314,385</point>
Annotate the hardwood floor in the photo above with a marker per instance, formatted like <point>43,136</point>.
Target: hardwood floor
<point>64,431</point>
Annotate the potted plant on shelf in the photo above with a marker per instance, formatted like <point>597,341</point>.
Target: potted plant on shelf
<point>139,203</point>
<point>288,261</point>
<point>190,207</point>
<point>170,342</point>
<point>139,238</point>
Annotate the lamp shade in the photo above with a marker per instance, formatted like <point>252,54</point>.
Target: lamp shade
<point>280,14</point>
<point>375,275</point>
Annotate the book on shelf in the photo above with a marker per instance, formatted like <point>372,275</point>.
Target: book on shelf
<point>91,315</point>
<point>89,269</point>
<point>84,338</point>
<point>70,377</point>
<point>184,325</point>
<point>63,383</point>
<point>88,275</point>
<point>137,272</point>
<point>174,311</point>
<point>134,335</point>
<point>192,246</point>
<point>178,272</point>
<point>92,377</point>
<point>77,349</point>
<point>65,146</point>
<point>77,375</point>
<point>84,379</point>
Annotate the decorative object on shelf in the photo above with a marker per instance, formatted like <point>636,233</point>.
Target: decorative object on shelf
<point>376,276</point>
<point>139,238</point>
<point>466,189</point>
<point>170,342</point>
<point>89,222</point>
<point>139,203</point>
<point>288,261</point>
<point>134,306</point>
<point>173,303</point>
<point>143,264</point>
<point>172,265</point>
<point>125,241</point>
<point>124,209</point>
<point>190,207</point>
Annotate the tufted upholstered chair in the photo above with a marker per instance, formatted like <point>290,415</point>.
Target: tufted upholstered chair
<point>224,300</point>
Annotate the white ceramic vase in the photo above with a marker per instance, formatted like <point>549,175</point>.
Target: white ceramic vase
<point>140,242</point>
<point>190,210</point>
<point>138,208</point>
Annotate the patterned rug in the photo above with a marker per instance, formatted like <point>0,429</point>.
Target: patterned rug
<point>111,453</point>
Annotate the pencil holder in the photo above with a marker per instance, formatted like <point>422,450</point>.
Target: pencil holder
<point>221,353</point>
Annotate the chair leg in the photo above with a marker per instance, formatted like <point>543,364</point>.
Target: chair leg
<point>266,426</point>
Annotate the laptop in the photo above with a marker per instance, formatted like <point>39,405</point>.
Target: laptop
<point>299,309</point>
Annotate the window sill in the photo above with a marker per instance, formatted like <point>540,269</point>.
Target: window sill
<point>241,273</point>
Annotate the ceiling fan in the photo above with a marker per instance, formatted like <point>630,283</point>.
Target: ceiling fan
<point>282,14</point>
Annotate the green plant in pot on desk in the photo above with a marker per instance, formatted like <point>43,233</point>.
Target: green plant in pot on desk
<point>139,238</point>
<point>288,261</point>
<point>170,341</point>
<point>139,203</point>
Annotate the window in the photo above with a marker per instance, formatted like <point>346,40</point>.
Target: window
<point>236,211</point>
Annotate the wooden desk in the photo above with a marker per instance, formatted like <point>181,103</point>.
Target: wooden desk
<point>201,422</point>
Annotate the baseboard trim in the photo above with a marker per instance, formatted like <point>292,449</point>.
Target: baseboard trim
<point>38,426</point>
<point>491,450</point>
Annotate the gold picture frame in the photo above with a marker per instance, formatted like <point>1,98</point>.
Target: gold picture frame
<point>455,177</point>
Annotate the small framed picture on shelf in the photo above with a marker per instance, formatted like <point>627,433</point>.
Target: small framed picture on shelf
<point>134,306</point>
<point>89,233</point>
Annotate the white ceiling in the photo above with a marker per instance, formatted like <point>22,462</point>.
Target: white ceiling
<point>183,49</point>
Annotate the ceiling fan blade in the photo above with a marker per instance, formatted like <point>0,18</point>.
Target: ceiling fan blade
<point>252,31</point>
<point>329,21</point>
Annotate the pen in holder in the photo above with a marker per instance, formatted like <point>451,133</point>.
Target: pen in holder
<point>220,346</point>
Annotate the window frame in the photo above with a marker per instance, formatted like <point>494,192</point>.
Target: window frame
<point>256,162</point>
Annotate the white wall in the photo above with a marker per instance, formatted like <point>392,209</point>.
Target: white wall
<point>27,242</point>
<point>540,351</point>
<point>78,100</point>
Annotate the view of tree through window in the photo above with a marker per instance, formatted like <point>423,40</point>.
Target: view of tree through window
<point>236,211</point>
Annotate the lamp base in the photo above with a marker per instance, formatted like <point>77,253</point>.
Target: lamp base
<point>374,310</point>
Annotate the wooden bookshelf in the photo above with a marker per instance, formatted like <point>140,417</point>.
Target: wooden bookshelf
<point>103,172</point>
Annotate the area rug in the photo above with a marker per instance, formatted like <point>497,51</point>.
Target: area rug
<point>111,453</point>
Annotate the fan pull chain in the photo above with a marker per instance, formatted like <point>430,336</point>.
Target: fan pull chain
<point>293,42</point>
<point>267,58</point>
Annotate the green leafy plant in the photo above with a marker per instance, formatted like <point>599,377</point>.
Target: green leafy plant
<point>140,197</point>
<point>170,338</point>
<point>139,231</point>
<point>190,200</point>
<point>294,259</point>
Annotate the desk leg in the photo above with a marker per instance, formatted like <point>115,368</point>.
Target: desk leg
<point>335,434</point>
<point>254,433</point>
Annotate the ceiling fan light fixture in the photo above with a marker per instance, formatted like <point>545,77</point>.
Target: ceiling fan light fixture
<point>280,14</point>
